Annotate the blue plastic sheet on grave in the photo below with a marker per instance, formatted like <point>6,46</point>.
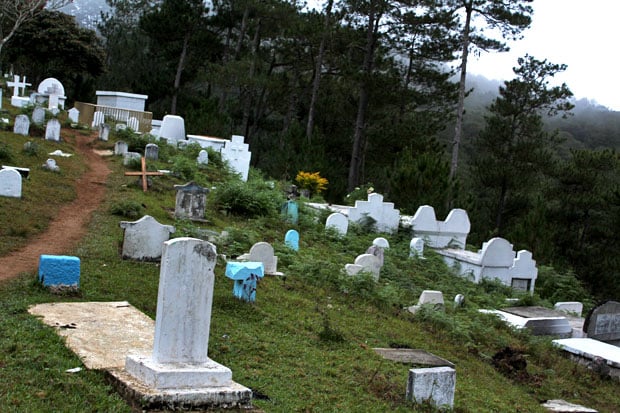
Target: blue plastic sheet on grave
<point>246,276</point>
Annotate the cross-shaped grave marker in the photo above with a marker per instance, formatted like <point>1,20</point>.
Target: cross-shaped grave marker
<point>54,93</point>
<point>16,85</point>
<point>144,173</point>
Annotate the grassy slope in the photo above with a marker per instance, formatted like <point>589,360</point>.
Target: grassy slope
<point>306,344</point>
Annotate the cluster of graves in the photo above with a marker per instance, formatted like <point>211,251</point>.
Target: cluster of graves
<point>176,371</point>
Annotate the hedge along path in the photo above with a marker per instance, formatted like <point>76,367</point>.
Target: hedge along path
<point>69,225</point>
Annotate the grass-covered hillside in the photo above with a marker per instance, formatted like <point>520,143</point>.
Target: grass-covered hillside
<point>306,344</point>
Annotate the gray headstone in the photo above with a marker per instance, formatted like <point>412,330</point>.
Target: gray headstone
<point>129,156</point>
<point>433,385</point>
<point>263,252</point>
<point>191,201</point>
<point>52,131</point>
<point>120,148</point>
<point>38,115</point>
<point>22,125</point>
<point>151,151</point>
<point>603,322</point>
<point>104,132</point>
<point>10,183</point>
<point>74,115</point>
<point>143,239</point>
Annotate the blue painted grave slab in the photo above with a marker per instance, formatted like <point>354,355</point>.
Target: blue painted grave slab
<point>245,275</point>
<point>59,271</point>
<point>291,239</point>
<point>291,211</point>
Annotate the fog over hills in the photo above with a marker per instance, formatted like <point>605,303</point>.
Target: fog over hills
<point>87,12</point>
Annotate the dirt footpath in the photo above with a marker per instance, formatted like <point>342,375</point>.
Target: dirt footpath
<point>70,224</point>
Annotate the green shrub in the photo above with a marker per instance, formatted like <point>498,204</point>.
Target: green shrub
<point>250,199</point>
<point>127,208</point>
<point>5,153</point>
<point>184,168</point>
<point>554,286</point>
<point>31,148</point>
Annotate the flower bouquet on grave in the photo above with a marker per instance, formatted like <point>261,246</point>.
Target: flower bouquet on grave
<point>310,183</point>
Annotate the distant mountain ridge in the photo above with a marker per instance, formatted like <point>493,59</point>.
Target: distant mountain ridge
<point>87,12</point>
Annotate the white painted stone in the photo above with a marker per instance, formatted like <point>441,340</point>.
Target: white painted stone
<point>450,233</point>
<point>435,385</point>
<point>562,406</point>
<point>18,86</point>
<point>208,141</point>
<point>203,158</point>
<point>10,183</point>
<point>338,222</point>
<point>353,269</point>
<point>370,263</point>
<point>74,115</point>
<point>183,320</point>
<point>381,243</point>
<point>51,165</point>
<point>431,297</point>
<point>172,129</point>
<point>22,125</point>
<point>104,132</point>
<point>385,216</point>
<point>590,349</point>
<point>98,119</point>
<point>120,148</point>
<point>263,252</point>
<point>496,259</point>
<point>124,100</point>
<point>416,248</point>
<point>238,156</point>
<point>51,84</point>
<point>52,130</point>
<point>571,307</point>
<point>143,239</point>
<point>52,91</point>
<point>38,115</point>
<point>151,151</point>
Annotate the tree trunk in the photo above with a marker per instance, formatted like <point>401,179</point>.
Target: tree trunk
<point>458,128</point>
<point>177,77</point>
<point>235,56</point>
<point>501,205</point>
<point>360,120</point>
<point>317,74</point>
<point>249,101</point>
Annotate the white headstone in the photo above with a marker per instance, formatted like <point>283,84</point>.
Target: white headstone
<point>369,263</point>
<point>182,322</point>
<point>104,132</point>
<point>431,297</point>
<point>386,217</point>
<point>38,115</point>
<point>51,84</point>
<point>143,239</point>
<point>50,165</point>
<point>151,151</point>
<point>238,156</point>
<point>434,385</point>
<point>263,252</point>
<point>120,148</point>
<point>52,130</point>
<point>98,119</point>
<point>22,125</point>
<point>10,183</point>
<point>172,129</point>
<point>571,307</point>
<point>416,248</point>
<point>74,115</point>
<point>52,90</point>
<point>381,243</point>
<point>203,157</point>
<point>338,222</point>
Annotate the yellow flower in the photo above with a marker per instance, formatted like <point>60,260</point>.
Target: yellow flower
<point>312,181</point>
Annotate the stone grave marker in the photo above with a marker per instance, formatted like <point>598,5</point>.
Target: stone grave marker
<point>22,125</point>
<point>441,234</point>
<point>38,115</point>
<point>10,183</point>
<point>128,157</point>
<point>191,201</point>
<point>19,88</point>
<point>603,322</point>
<point>543,321</point>
<point>52,91</point>
<point>432,297</point>
<point>143,239</point>
<point>246,276</point>
<point>238,156</point>
<point>74,115</point>
<point>120,148</point>
<point>179,368</point>
<point>291,239</point>
<point>369,263</point>
<point>290,211</point>
<point>104,132</point>
<point>562,406</point>
<point>203,157</point>
<point>570,307</point>
<point>52,130</point>
<point>51,165</point>
<point>434,385</point>
<point>172,129</point>
<point>416,248</point>
<point>263,252</point>
<point>59,271</point>
<point>378,247</point>
<point>386,217</point>
<point>338,222</point>
<point>151,151</point>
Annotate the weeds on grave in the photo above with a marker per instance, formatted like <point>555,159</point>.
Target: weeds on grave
<point>184,168</point>
<point>127,208</point>
<point>6,154</point>
<point>31,149</point>
<point>251,199</point>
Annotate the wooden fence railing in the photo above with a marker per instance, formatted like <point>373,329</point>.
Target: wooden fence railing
<point>118,115</point>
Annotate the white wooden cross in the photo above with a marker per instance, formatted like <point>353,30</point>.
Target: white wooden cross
<point>16,85</point>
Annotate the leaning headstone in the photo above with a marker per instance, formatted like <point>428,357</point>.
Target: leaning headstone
<point>369,263</point>
<point>246,276</point>
<point>52,130</point>
<point>59,271</point>
<point>431,297</point>
<point>98,119</point>
<point>22,125</point>
<point>603,322</point>
<point>143,239</point>
<point>151,151</point>
<point>51,165</point>
<point>74,115</point>
<point>104,132</point>
<point>38,115</point>
<point>238,156</point>
<point>10,183</point>
<point>416,248</point>
<point>203,157</point>
<point>120,148</point>
<point>191,201</point>
<point>291,239</point>
<point>338,222</point>
<point>433,385</point>
<point>179,369</point>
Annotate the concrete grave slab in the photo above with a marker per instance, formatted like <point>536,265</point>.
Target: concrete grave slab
<point>587,350</point>
<point>413,356</point>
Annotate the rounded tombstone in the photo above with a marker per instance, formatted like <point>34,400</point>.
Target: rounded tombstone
<point>50,84</point>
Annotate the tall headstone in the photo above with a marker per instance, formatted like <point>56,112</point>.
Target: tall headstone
<point>172,129</point>
<point>104,132</point>
<point>179,366</point>
<point>603,322</point>
<point>52,130</point>
<point>22,125</point>
<point>151,151</point>
<point>191,201</point>
<point>338,222</point>
<point>143,239</point>
<point>10,183</point>
<point>238,156</point>
<point>203,157</point>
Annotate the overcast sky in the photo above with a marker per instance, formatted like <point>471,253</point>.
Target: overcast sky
<point>581,34</point>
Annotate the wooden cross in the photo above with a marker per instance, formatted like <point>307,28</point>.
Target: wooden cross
<point>144,173</point>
